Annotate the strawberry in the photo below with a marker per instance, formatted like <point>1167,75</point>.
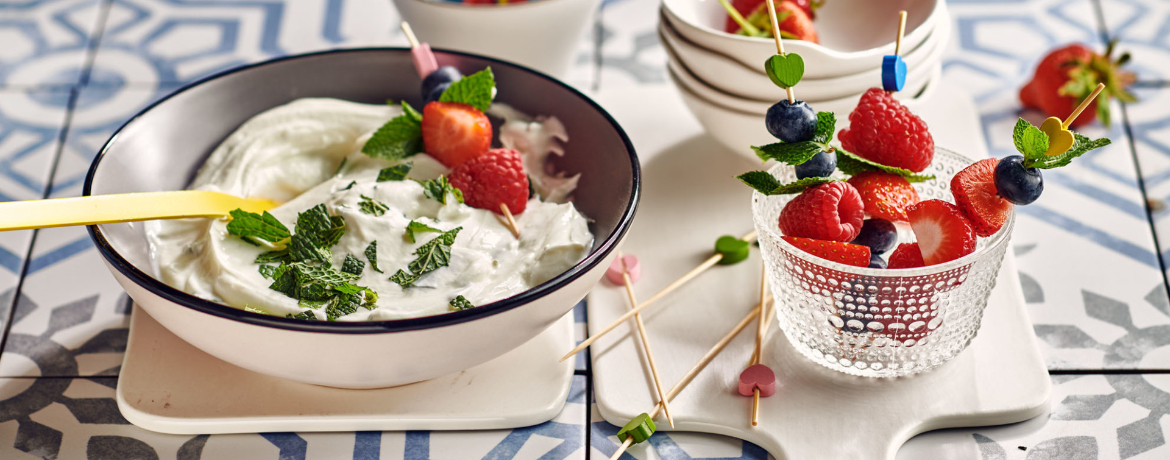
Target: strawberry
<point>906,255</point>
<point>845,253</point>
<point>885,195</point>
<point>494,178</point>
<point>1067,75</point>
<point>454,133</point>
<point>976,195</point>
<point>832,211</point>
<point>794,19</point>
<point>943,232</point>
<point>884,131</point>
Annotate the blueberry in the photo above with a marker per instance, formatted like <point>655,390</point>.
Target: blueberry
<point>791,122</point>
<point>435,93</point>
<point>445,74</point>
<point>821,165</point>
<point>879,234</point>
<point>876,261</point>
<point>1016,183</point>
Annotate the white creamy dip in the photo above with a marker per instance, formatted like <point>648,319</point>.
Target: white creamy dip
<point>291,154</point>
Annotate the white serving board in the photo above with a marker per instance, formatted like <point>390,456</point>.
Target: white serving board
<point>689,199</point>
<point>169,386</point>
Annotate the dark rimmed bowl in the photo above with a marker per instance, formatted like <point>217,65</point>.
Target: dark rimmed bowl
<point>163,146</point>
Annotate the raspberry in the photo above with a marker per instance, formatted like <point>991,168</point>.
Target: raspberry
<point>882,130</point>
<point>906,256</point>
<point>494,178</point>
<point>831,211</point>
<point>885,195</point>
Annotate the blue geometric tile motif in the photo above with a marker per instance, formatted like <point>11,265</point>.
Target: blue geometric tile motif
<point>44,34</point>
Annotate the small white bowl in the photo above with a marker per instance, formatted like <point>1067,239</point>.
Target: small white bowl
<point>541,34</point>
<point>854,34</point>
<point>738,130</point>
<point>730,76</point>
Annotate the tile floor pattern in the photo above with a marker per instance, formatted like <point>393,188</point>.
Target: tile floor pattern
<point>71,71</point>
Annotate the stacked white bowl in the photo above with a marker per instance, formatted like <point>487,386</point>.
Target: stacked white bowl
<point>721,75</point>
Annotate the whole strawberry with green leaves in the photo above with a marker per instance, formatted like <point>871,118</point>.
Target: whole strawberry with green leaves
<point>1067,75</point>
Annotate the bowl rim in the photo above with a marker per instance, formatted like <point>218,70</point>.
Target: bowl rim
<point>481,6</point>
<point>930,21</point>
<point>600,251</point>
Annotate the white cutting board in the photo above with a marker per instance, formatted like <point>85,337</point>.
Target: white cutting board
<point>689,199</point>
<point>169,386</point>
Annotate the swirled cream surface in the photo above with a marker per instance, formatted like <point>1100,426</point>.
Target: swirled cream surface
<point>307,153</point>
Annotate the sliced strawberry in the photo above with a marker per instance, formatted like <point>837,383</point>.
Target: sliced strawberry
<point>906,255</point>
<point>845,253</point>
<point>944,233</point>
<point>454,133</point>
<point>885,195</point>
<point>976,195</point>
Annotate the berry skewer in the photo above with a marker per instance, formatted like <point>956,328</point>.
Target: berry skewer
<point>728,250</point>
<point>629,284</point>
<point>780,49</point>
<point>642,427</point>
<point>758,380</point>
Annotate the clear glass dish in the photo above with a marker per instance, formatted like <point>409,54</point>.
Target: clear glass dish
<point>874,322</point>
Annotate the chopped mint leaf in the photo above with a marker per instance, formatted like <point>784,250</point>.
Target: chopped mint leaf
<point>372,256</point>
<point>826,123</point>
<point>395,173</point>
<point>273,272</point>
<point>351,184</point>
<point>254,310</point>
<point>474,90</point>
<point>347,288</point>
<point>851,164</point>
<point>1030,140</point>
<point>398,138</point>
<point>1081,145</point>
<point>531,189</point>
<point>373,207</point>
<point>341,166</point>
<point>438,189</point>
<point>307,314</point>
<point>251,225</point>
<point>353,265</point>
<point>319,227</point>
<point>793,153</point>
<point>273,256</point>
<point>460,303</point>
<point>325,288</point>
<point>403,278</point>
<point>303,249</point>
<point>432,255</point>
<point>417,227</point>
<point>764,182</point>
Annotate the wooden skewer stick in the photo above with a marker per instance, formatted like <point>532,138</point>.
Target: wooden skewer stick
<point>1081,108</point>
<point>698,367</point>
<point>409,34</point>
<point>645,339</point>
<point>757,356</point>
<point>510,221</point>
<point>779,43</point>
<point>901,31</point>
<point>750,237</point>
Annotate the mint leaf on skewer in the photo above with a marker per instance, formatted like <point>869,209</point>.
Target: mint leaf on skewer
<point>398,138</point>
<point>474,90</point>
<point>851,164</point>
<point>764,182</point>
<point>1081,145</point>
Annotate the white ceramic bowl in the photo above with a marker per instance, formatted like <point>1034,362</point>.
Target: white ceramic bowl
<point>738,129</point>
<point>729,75</point>
<point>163,146</point>
<point>854,34</point>
<point>541,34</point>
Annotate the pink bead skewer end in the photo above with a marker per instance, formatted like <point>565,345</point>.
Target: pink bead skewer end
<point>757,376</point>
<point>424,60</point>
<point>614,272</point>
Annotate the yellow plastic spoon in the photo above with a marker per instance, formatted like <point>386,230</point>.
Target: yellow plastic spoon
<point>126,207</point>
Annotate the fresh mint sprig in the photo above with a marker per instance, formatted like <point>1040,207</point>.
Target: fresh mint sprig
<point>248,225</point>
<point>1033,144</point>
<point>474,90</point>
<point>851,164</point>
<point>398,138</point>
<point>764,182</point>
<point>795,153</point>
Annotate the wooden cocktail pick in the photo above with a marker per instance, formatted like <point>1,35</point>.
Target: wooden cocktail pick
<point>629,284</point>
<point>1060,139</point>
<point>893,67</point>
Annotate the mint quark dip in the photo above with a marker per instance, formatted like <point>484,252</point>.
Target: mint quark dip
<point>308,155</point>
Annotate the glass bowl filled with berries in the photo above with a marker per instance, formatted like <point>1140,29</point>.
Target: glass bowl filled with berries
<point>882,252</point>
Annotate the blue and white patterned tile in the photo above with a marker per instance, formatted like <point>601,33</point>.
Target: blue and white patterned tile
<point>73,418</point>
<point>31,122</point>
<point>1141,27</point>
<point>630,51</point>
<point>1093,210</point>
<point>46,43</point>
<point>178,41</point>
